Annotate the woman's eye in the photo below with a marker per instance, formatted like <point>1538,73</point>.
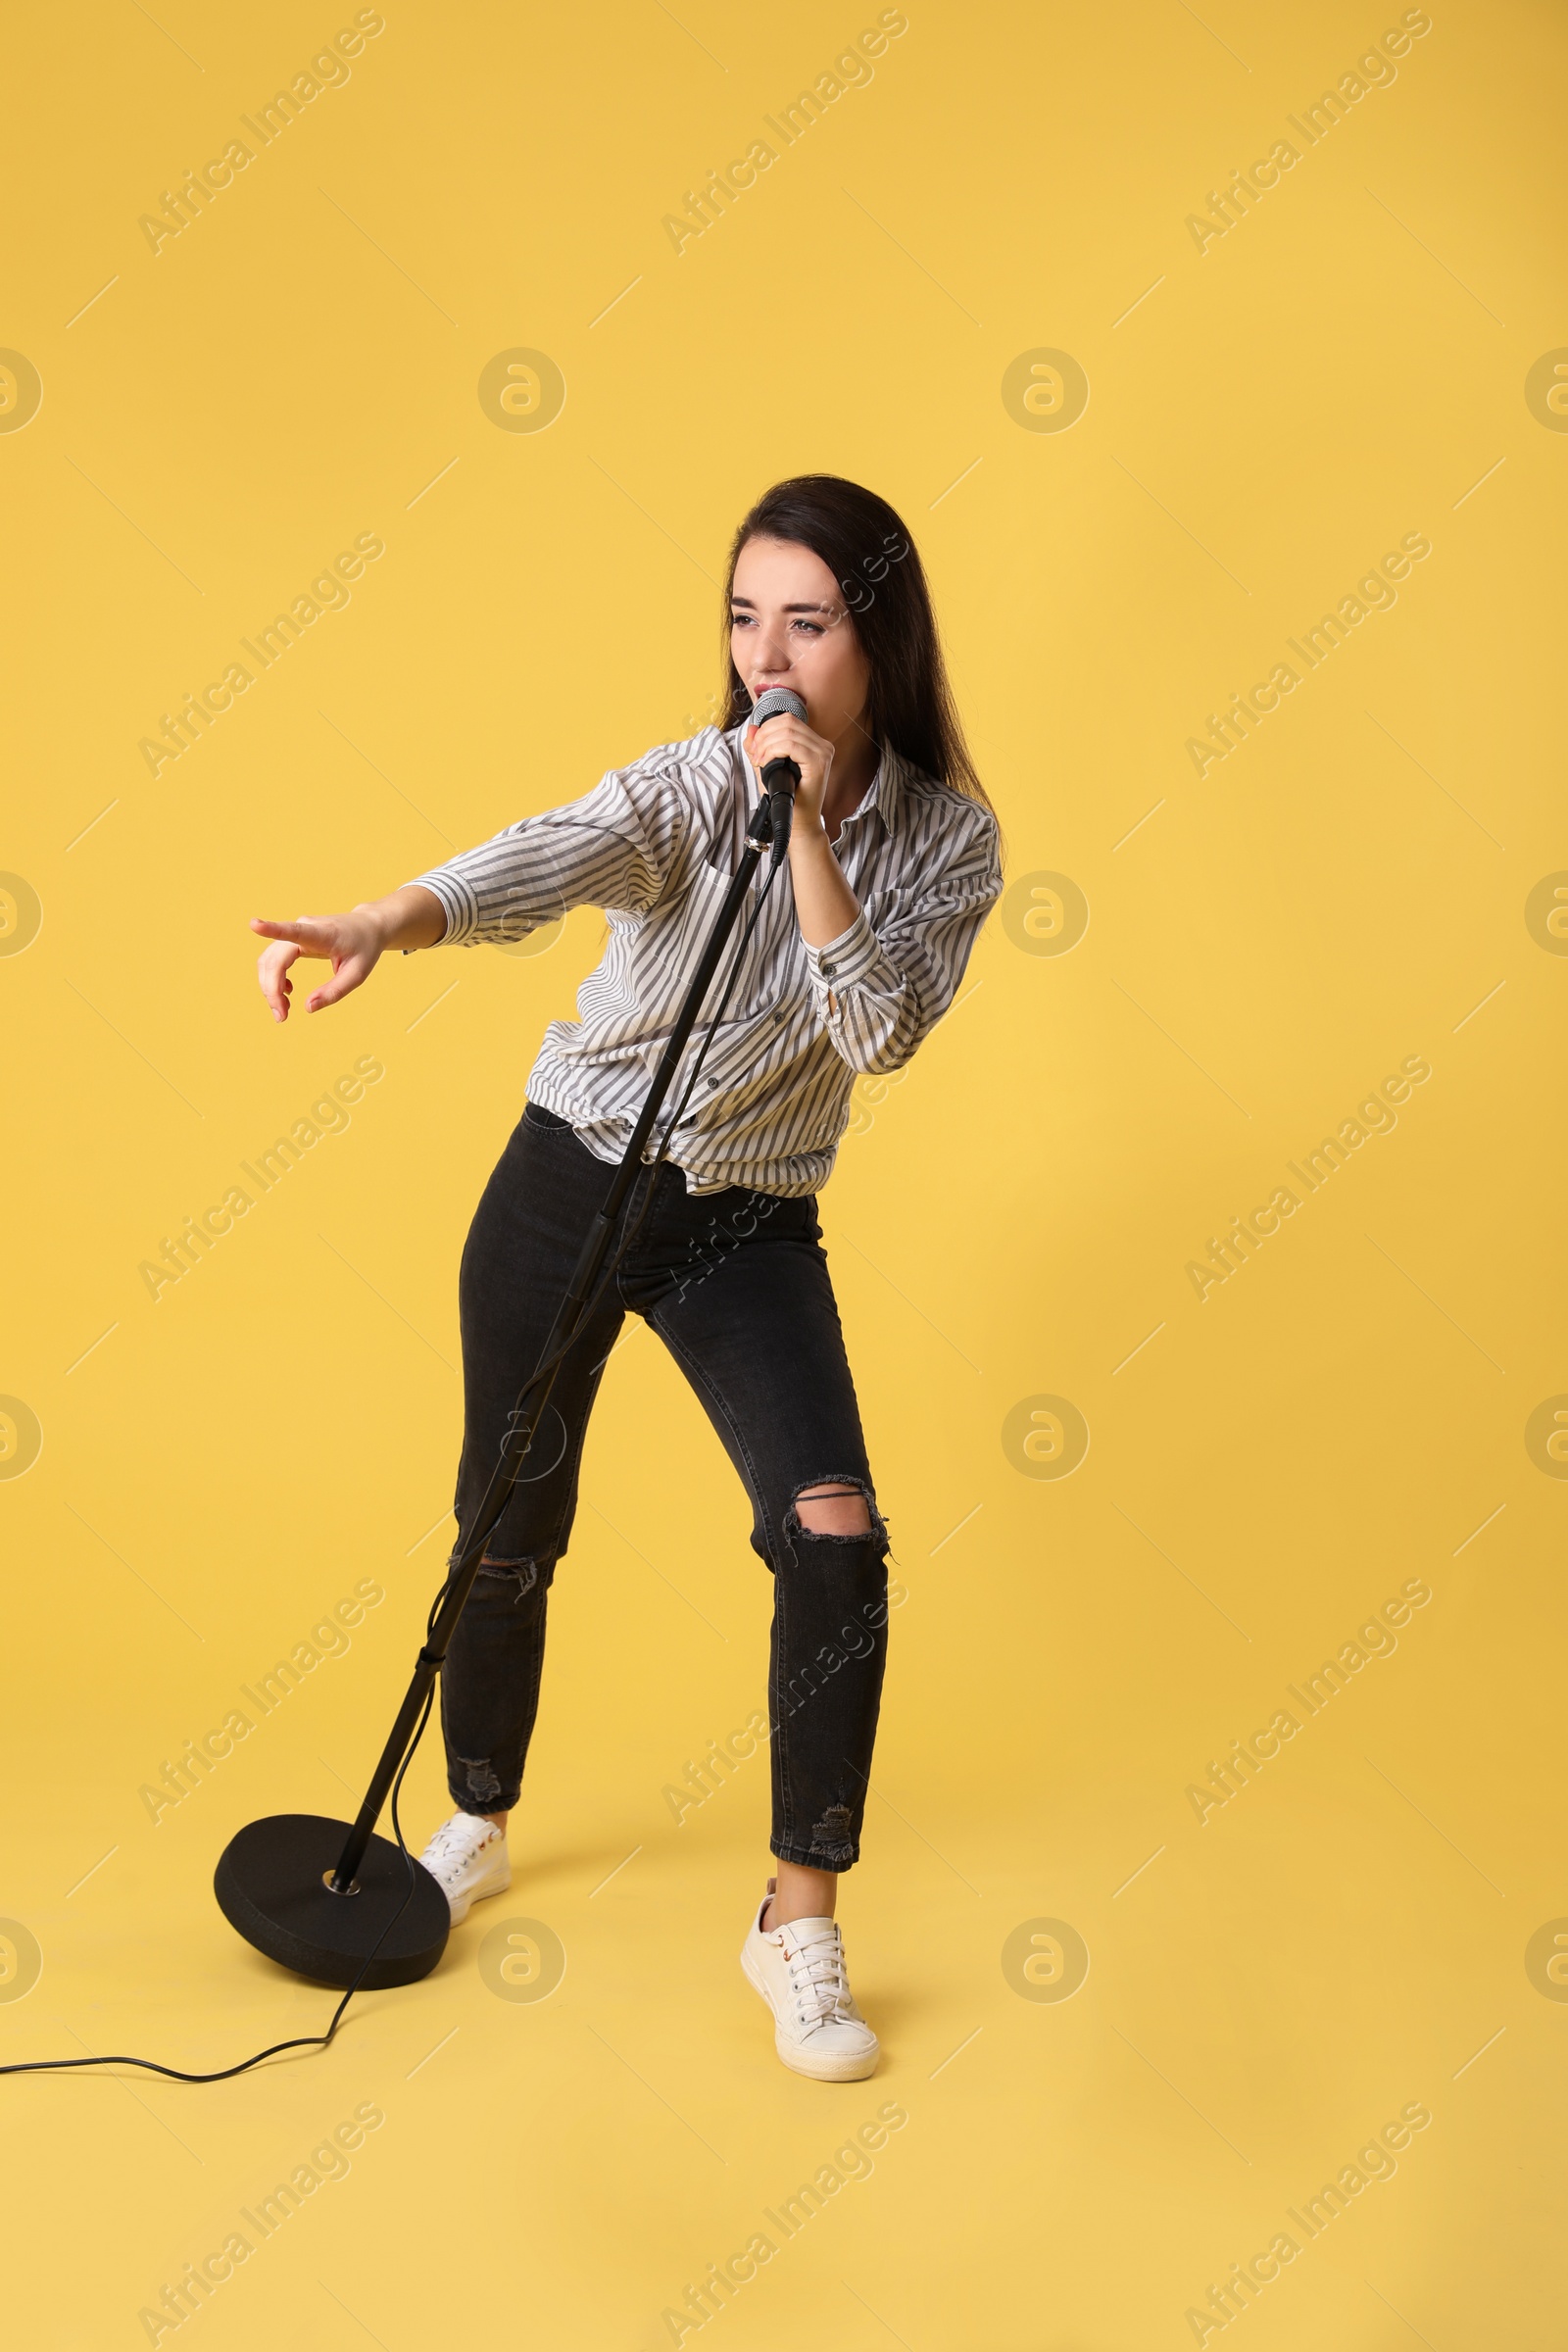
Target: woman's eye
<point>814,626</point>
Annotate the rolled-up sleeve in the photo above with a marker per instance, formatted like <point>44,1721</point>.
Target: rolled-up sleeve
<point>615,848</point>
<point>880,990</point>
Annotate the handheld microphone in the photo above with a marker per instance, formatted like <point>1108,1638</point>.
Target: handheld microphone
<point>780,776</point>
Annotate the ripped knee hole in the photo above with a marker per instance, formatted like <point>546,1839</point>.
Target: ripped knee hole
<point>833,1508</point>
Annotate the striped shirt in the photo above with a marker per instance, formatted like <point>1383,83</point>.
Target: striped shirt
<point>655,845</point>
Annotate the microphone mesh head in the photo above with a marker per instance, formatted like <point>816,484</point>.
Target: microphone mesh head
<point>777,703</point>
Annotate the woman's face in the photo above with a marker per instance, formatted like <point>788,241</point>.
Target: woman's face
<point>789,626</point>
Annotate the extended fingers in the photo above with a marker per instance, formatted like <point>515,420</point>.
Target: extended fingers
<point>306,931</point>
<point>271,968</point>
<point>348,975</point>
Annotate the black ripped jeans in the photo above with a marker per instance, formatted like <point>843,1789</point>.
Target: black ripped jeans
<point>736,1285</point>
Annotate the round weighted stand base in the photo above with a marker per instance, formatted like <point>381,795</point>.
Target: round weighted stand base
<point>272,1885</point>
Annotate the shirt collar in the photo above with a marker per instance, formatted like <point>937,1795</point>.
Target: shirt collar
<point>884,793</point>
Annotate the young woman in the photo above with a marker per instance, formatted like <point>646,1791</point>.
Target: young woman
<point>893,862</point>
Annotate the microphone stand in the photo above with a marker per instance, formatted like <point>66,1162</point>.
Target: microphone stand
<point>270,1882</point>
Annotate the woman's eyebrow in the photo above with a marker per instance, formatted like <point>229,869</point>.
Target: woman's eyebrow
<point>750,608</point>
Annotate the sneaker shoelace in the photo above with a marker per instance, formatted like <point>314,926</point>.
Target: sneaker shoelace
<point>450,1850</point>
<point>818,1982</point>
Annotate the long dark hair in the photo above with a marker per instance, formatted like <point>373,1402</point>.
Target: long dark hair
<point>872,556</point>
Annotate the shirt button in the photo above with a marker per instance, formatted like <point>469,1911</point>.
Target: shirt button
<point>827,970</point>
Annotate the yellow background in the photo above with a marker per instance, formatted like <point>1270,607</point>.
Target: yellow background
<point>1009,1220</point>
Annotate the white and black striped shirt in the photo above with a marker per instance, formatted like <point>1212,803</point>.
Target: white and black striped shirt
<point>655,845</point>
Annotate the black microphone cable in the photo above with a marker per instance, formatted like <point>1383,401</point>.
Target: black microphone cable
<point>37,2066</point>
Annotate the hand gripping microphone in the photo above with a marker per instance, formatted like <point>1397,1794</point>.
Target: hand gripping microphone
<point>780,776</point>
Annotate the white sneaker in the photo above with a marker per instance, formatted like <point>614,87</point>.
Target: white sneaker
<point>468,1858</point>
<point>799,1971</point>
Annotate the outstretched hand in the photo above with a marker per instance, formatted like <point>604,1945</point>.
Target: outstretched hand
<point>352,943</point>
